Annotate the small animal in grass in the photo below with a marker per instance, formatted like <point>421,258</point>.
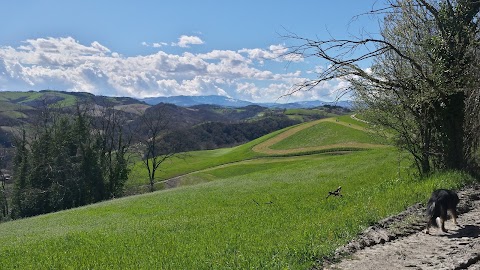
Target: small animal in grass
<point>335,192</point>
<point>441,201</point>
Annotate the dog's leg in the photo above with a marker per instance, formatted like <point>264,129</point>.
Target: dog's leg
<point>442,224</point>
<point>454,216</point>
<point>429,224</point>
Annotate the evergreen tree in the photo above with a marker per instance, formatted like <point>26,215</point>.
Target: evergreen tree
<point>68,164</point>
<point>21,171</point>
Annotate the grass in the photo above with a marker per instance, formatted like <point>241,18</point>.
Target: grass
<point>6,106</point>
<point>253,212</point>
<point>324,133</point>
<point>251,216</point>
<point>198,160</point>
<point>29,96</point>
<point>13,114</point>
<point>185,163</point>
<point>305,114</point>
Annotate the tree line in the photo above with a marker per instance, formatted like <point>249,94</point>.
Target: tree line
<point>67,161</point>
<point>212,135</point>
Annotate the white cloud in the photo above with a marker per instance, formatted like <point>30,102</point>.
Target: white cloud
<point>277,53</point>
<point>159,44</point>
<point>66,64</point>
<point>184,41</point>
<point>154,44</point>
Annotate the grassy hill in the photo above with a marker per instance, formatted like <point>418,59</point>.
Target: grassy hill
<point>264,147</point>
<point>252,209</point>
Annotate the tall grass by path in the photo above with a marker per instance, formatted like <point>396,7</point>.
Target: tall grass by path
<point>251,217</point>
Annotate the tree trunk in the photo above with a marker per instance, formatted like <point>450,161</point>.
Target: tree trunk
<point>451,125</point>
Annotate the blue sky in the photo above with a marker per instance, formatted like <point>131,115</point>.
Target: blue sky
<point>162,48</point>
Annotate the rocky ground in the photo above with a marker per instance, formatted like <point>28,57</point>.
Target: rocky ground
<point>399,242</point>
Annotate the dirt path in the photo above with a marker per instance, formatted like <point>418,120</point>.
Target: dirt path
<point>399,242</point>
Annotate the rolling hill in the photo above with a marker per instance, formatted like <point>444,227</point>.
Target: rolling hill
<point>236,208</point>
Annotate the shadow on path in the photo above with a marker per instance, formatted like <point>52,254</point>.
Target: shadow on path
<point>471,231</point>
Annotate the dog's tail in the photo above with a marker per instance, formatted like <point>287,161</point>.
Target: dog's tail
<point>431,210</point>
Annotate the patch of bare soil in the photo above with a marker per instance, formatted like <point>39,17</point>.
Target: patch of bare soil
<point>399,242</point>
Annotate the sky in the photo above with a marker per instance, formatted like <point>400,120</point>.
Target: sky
<point>166,48</point>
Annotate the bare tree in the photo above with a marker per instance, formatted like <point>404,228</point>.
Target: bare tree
<point>114,143</point>
<point>424,73</point>
<point>155,122</point>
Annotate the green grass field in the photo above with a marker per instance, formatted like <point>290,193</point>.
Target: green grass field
<point>25,97</point>
<point>199,160</point>
<point>258,213</point>
<point>304,114</point>
<point>325,133</point>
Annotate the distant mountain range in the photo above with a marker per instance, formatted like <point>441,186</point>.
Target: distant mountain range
<point>187,101</point>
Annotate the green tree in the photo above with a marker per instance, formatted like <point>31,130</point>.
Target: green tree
<point>4,211</point>
<point>21,170</point>
<point>67,164</point>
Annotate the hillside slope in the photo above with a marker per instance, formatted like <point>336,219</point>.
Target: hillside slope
<point>263,212</point>
<point>261,147</point>
<point>344,136</point>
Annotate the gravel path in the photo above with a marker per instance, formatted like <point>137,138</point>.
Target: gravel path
<point>399,242</point>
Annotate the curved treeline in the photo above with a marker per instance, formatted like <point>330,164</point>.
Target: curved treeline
<point>212,135</point>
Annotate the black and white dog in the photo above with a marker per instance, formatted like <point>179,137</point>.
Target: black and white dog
<point>441,201</point>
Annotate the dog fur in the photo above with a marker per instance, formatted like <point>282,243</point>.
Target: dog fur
<point>441,201</point>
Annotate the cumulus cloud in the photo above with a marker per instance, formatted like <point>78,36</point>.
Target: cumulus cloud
<point>185,41</point>
<point>66,64</point>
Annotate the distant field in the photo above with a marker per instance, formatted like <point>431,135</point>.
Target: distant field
<point>324,133</point>
<point>321,136</point>
<point>312,137</point>
<point>13,114</point>
<point>197,160</point>
<point>6,106</point>
<point>304,114</point>
<point>247,210</point>
<point>25,97</point>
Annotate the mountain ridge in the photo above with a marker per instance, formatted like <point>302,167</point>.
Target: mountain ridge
<point>188,101</point>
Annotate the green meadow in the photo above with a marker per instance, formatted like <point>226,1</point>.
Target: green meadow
<point>238,209</point>
<point>325,133</point>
